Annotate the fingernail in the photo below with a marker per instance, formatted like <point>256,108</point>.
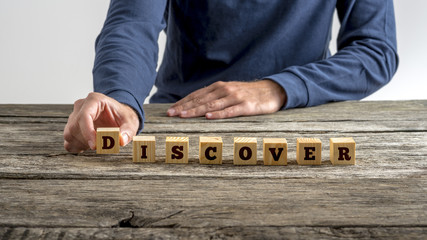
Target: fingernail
<point>183,113</point>
<point>171,111</point>
<point>125,138</point>
<point>208,115</point>
<point>91,144</point>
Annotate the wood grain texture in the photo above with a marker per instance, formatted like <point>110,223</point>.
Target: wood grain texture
<point>47,193</point>
<point>244,233</point>
<point>183,202</point>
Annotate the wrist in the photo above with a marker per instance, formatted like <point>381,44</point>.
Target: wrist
<point>278,91</point>
<point>126,98</point>
<point>132,114</point>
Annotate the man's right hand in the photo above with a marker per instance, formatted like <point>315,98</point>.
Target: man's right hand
<point>98,110</point>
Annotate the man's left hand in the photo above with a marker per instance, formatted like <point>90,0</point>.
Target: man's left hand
<point>231,99</point>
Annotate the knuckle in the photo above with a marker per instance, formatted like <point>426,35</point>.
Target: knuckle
<point>70,147</point>
<point>67,146</point>
<point>239,96</point>
<point>67,135</point>
<point>191,112</point>
<point>197,100</point>
<point>179,108</point>
<point>229,89</point>
<point>229,112</point>
<point>78,102</point>
<point>93,95</point>
<point>248,106</point>
<point>212,105</point>
<point>68,139</point>
<point>68,131</point>
<point>218,83</point>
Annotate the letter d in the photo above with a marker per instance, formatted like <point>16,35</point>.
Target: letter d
<point>106,140</point>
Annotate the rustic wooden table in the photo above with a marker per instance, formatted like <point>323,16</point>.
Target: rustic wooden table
<point>48,193</point>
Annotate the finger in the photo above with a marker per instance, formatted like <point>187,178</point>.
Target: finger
<point>195,94</point>
<point>71,139</point>
<point>78,104</point>
<point>197,98</point>
<point>233,111</point>
<point>212,106</point>
<point>88,131</point>
<point>194,99</point>
<point>74,147</point>
<point>72,133</point>
<point>127,132</point>
<point>202,105</point>
<point>125,137</point>
<point>88,115</point>
<point>74,138</point>
<point>128,120</point>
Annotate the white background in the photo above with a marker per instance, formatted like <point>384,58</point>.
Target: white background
<point>47,50</point>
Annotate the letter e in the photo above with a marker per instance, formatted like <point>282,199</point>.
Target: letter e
<point>309,153</point>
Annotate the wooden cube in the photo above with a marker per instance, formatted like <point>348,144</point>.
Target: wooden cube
<point>210,150</point>
<point>107,140</point>
<point>342,151</point>
<point>309,151</point>
<point>144,149</point>
<point>176,149</point>
<point>245,151</point>
<point>275,151</point>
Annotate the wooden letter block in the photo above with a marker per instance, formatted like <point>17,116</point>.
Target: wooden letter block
<point>342,151</point>
<point>309,151</point>
<point>107,140</point>
<point>245,151</point>
<point>275,151</point>
<point>210,150</point>
<point>176,149</point>
<point>144,149</point>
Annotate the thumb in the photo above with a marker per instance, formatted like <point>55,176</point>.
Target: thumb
<point>129,125</point>
<point>127,132</point>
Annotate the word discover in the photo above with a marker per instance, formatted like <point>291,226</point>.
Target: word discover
<point>275,150</point>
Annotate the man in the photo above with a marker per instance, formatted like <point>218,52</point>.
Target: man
<point>228,58</point>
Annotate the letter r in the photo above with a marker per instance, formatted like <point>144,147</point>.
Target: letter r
<point>344,153</point>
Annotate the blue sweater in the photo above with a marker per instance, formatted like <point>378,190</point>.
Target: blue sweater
<point>286,41</point>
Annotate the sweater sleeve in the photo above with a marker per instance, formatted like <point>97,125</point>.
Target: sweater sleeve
<point>127,51</point>
<point>366,59</point>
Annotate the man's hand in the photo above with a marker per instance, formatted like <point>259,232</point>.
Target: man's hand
<point>231,99</point>
<point>98,110</point>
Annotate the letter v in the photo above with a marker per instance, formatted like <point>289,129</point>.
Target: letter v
<point>273,153</point>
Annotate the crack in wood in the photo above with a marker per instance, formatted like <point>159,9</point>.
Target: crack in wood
<point>146,222</point>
